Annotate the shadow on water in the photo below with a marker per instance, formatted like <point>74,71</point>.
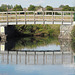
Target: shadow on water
<point>0,38</point>
<point>30,42</point>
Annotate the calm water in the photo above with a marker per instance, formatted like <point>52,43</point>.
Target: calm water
<point>15,60</point>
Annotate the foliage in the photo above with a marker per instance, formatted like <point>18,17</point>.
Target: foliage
<point>73,44</point>
<point>66,8</point>
<point>49,8</point>
<point>72,8</point>
<point>61,6</point>
<point>39,30</point>
<point>73,38</point>
<point>10,7</point>
<point>73,32</point>
<point>18,8</point>
<point>38,7</point>
<point>3,7</point>
<point>31,8</point>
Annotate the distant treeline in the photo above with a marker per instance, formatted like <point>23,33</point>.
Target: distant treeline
<point>5,7</point>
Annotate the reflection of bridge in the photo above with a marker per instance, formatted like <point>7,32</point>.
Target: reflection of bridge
<point>63,56</point>
<point>35,58</point>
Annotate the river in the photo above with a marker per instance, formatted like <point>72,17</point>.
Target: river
<point>37,56</point>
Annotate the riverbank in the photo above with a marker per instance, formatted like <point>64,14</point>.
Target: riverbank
<point>38,30</point>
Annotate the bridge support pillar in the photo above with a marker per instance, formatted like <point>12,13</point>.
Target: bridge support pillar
<point>2,33</point>
<point>65,31</point>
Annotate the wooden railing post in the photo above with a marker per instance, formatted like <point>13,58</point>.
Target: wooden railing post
<point>34,18</point>
<point>25,16</point>
<point>43,18</point>
<point>71,18</point>
<point>62,17</point>
<point>52,17</point>
<point>7,17</point>
<point>16,17</point>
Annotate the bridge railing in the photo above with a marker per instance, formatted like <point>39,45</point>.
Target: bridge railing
<point>18,17</point>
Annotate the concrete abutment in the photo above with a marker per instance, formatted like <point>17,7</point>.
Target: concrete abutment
<point>65,31</point>
<point>2,33</point>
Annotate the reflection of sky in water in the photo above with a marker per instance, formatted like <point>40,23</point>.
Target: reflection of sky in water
<point>36,70</point>
<point>48,47</point>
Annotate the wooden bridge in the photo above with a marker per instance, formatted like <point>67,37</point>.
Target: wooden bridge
<point>36,17</point>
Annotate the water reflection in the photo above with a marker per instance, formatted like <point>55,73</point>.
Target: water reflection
<point>14,52</point>
<point>14,60</point>
<point>33,43</point>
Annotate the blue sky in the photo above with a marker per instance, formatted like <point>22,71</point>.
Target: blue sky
<point>26,3</point>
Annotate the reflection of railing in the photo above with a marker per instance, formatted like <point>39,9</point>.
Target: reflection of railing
<point>35,58</point>
<point>16,17</point>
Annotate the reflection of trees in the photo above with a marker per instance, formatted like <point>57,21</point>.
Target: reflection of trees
<point>73,45</point>
<point>32,42</point>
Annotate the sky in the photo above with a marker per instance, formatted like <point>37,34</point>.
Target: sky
<point>44,3</point>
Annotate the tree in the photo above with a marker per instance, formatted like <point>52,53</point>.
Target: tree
<point>31,8</point>
<point>49,8</point>
<point>72,8</point>
<point>61,6</point>
<point>3,7</point>
<point>38,7</point>
<point>18,8</point>
<point>10,6</point>
<point>66,8</point>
